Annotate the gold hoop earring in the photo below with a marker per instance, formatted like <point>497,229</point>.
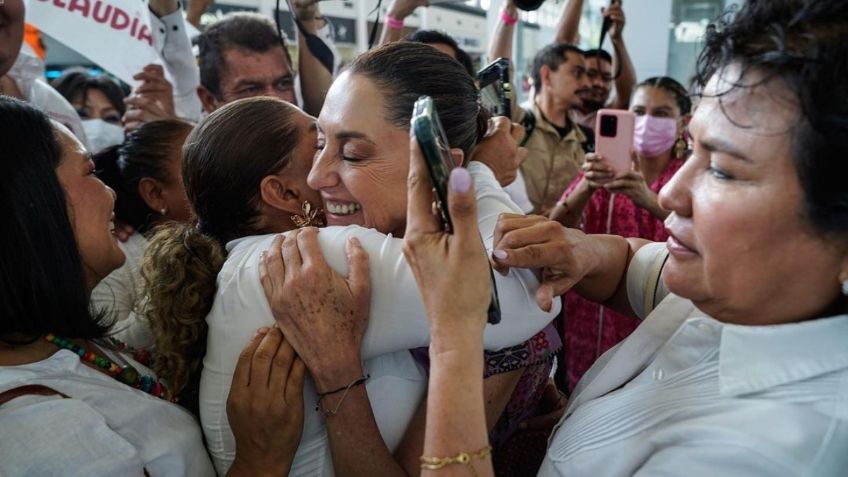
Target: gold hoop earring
<point>309,218</point>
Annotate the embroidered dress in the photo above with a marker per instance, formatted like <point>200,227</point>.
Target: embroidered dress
<point>591,329</point>
<point>535,356</point>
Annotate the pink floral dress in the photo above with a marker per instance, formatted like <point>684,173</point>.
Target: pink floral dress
<point>591,329</point>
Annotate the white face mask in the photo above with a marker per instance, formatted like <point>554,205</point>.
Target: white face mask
<point>101,134</point>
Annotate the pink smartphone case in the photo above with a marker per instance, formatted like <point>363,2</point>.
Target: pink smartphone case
<point>616,150</point>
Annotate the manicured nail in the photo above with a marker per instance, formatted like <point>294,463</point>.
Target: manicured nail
<point>262,331</point>
<point>500,254</point>
<point>355,241</point>
<point>460,179</point>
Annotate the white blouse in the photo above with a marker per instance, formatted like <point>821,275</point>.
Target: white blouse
<point>105,428</point>
<point>688,395</point>
<point>397,323</point>
<point>119,294</point>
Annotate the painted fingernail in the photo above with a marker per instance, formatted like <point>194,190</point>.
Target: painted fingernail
<point>500,254</point>
<point>460,180</point>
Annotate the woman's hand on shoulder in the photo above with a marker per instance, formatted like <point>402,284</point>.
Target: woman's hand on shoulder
<point>451,270</point>
<point>265,406</point>
<point>322,314</point>
<point>564,255</point>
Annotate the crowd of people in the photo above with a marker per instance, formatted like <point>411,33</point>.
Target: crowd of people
<point>240,268</point>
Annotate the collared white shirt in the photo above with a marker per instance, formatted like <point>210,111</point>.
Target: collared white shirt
<point>688,395</point>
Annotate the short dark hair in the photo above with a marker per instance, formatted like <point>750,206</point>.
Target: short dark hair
<point>802,43</point>
<point>42,283</point>
<point>405,71</point>
<point>144,153</point>
<point>76,82</point>
<point>246,30</point>
<point>435,36</point>
<point>598,53</point>
<point>673,87</point>
<point>551,56</point>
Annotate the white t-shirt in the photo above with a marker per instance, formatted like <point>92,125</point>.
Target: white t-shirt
<point>688,395</point>
<point>397,323</point>
<point>105,428</point>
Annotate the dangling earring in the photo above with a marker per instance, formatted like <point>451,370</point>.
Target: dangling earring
<point>680,147</point>
<point>845,286</point>
<point>310,217</point>
<point>163,210</point>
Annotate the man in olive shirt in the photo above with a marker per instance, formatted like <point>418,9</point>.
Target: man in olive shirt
<point>555,145</point>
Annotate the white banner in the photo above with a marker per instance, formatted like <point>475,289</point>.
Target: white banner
<point>115,34</point>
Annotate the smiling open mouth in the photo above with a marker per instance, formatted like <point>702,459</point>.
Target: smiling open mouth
<point>342,208</point>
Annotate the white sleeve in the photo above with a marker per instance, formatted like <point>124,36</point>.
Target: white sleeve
<point>645,287</point>
<point>398,320</point>
<point>518,193</point>
<point>171,40</point>
<point>62,437</point>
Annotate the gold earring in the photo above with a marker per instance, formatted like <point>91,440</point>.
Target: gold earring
<point>680,147</point>
<point>310,217</point>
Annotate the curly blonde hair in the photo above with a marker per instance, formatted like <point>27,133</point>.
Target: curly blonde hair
<point>179,272</point>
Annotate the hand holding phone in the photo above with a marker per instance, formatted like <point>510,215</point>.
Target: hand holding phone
<point>495,88</point>
<point>434,145</point>
<point>614,138</point>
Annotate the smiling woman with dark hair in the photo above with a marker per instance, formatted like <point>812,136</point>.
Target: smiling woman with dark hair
<point>72,402</point>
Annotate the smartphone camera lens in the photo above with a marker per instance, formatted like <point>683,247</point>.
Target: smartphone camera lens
<point>609,126</point>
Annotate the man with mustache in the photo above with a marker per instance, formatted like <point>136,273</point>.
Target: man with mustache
<point>602,69</point>
<point>555,143</point>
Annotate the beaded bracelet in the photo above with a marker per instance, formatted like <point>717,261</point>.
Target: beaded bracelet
<point>346,389</point>
<point>394,23</point>
<point>436,463</point>
<point>508,19</point>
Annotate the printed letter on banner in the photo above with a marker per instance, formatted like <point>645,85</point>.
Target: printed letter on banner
<point>114,34</point>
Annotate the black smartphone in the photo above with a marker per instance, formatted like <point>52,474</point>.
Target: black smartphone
<point>495,88</point>
<point>434,145</point>
<point>605,26</point>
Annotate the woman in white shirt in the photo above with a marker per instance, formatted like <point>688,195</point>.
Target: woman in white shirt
<point>71,403</point>
<point>245,170</point>
<point>144,172</point>
<point>741,368</point>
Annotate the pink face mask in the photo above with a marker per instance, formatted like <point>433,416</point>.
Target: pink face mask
<point>653,135</point>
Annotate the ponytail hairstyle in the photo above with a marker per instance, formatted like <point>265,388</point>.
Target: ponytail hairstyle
<point>672,87</point>
<point>145,152</point>
<point>225,159</point>
<point>405,71</point>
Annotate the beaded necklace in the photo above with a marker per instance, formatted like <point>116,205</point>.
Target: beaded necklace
<point>125,374</point>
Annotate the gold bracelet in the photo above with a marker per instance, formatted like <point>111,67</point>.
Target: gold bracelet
<point>436,463</point>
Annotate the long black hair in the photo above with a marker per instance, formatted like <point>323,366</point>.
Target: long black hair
<point>42,282</point>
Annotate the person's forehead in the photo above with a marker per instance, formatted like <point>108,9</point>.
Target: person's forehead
<point>598,63</point>
<point>756,115</point>
<point>574,58</point>
<point>240,63</point>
